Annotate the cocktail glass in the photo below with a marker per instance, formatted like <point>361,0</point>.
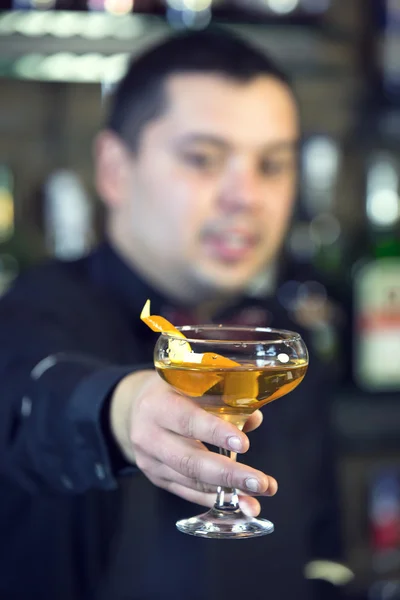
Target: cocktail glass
<point>230,372</point>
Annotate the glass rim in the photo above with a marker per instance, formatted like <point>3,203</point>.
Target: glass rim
<point>288,335</point>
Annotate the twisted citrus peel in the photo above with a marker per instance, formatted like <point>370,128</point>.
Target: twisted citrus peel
<point>177,350</point>
<point>180,354</point>
<point>180,351</point>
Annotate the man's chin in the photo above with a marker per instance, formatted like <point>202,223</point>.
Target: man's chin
<point>220,283</point>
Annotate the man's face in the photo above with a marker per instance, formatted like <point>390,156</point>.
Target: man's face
<point>210,191</point>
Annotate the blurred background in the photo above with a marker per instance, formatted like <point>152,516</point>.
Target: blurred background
<point>340,269</point>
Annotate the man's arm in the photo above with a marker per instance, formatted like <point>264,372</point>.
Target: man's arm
<point>53,401</point>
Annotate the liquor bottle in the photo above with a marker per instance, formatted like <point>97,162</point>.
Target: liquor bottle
<point>20,247</point>
<point>321,166</point>
<point>387,20</point>
<point>376,281</point>
<point>315,245</point>
<point>68,216</point>
<point>9,266</point>
<point>384,519</point>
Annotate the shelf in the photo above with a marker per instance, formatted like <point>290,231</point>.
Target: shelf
<point>304,50</point>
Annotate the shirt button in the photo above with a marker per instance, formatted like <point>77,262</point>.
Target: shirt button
<point>26,406</point>
<point>100,471</point>
<point>67,483</point>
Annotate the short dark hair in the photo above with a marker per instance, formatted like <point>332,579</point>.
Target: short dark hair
<point>140,95</point>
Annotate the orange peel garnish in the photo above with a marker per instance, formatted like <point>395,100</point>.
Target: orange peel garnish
<point>180,353</point>
<point>157,323</point>
<point>240,391</point>
<point>178,349</point>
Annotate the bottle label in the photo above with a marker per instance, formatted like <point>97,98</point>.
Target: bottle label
<point>377,325</point>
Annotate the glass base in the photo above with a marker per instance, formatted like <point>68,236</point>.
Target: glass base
<point>222,524</point>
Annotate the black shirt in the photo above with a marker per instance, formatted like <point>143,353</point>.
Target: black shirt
<point>76,522</point>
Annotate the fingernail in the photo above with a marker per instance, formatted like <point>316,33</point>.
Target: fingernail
<point>252,484</point>
<point>235,443</point>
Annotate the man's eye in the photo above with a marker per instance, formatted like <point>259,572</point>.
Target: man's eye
<point>201,161</point>
<point>275,167</point>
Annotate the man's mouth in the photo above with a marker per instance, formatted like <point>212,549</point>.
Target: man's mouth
<point>229,245</point>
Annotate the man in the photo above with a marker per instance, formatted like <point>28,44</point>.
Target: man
<point>197,168</point>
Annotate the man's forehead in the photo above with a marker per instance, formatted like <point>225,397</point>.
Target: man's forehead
<point>217,83</point>
<point>212,106</point>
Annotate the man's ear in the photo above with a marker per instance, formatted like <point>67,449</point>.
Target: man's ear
<point>113,166</point>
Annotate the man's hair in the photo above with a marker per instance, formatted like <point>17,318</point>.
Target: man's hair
<point>140,96</point>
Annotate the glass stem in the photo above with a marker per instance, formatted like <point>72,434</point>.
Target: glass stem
<point>227,498</point>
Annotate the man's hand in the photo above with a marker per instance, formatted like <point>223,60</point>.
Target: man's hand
<point>163,433</point>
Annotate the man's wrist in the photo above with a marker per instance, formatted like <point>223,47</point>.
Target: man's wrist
<point>118,411</point>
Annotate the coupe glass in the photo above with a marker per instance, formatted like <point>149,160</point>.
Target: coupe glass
<point>258,366</point>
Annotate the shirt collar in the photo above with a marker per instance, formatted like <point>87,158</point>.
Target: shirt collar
<point>109,270</point>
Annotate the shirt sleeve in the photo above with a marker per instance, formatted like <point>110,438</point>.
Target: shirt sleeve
<point>52,398</point>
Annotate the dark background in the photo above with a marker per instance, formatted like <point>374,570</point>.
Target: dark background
<point>57,62</point>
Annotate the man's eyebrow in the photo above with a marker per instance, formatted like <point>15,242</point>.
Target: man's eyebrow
<point>223,144</point>
<point>204,138</point>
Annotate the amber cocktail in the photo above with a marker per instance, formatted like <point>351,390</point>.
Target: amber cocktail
<point>230,372</point>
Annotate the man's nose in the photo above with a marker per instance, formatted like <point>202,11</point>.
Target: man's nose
<point>242,191</point>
